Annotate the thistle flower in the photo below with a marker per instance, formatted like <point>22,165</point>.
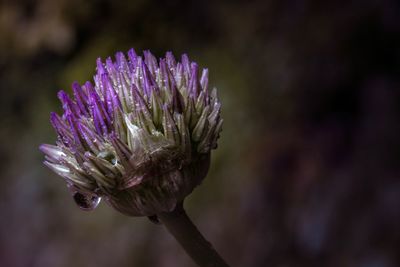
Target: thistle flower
<point>140,137</point>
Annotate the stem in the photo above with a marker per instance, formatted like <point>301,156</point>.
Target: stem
<point>192,241</point>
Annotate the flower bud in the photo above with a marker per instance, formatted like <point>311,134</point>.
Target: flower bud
<point>140,137</point>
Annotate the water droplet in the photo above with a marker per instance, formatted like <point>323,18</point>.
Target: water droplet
<point>84,201</point>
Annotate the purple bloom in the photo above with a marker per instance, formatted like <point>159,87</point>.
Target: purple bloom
<point>140,137</point>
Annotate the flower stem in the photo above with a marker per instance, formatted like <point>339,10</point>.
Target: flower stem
<point>192,241</point>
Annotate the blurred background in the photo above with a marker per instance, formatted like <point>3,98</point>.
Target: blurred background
<point>307,170</point>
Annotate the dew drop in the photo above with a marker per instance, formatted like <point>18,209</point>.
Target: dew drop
<point>85,202</point>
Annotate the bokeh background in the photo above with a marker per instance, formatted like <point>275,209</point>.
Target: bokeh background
<point>307,170</point>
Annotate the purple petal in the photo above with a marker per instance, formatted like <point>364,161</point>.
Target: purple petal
<point>169,81</point>
<point>101,118</point>
<point>186,64</point>
<point>107,90</point>
<point>53,153</point>
<point>94,99</point>
<point>100,67</point>
<point>89,137</point>
<point>80,98</point>
<point>111,97</point>
<point>121,62</point>
<point>73,128</point>
<point>193,86</point>
<point>61,129</point>
<point>87,88</point>
<point>204,80</point>
<point>169,57</point>
<point>138,100</point>
<point>132,59</point>
<point>67,103</point>
<point>178,75</point>
<point>150,61</point>
<point>98,120</point>
<point>112,71</point>
<point>164,74</point>
<point>149,84</point>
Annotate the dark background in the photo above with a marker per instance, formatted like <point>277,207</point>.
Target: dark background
<point>307,169</point>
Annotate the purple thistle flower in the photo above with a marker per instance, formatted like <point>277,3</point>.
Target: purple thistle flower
<point>140,137</point>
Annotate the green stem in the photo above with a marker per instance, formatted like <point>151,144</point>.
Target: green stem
<point>192,241</point>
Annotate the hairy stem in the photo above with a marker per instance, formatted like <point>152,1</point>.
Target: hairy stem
<point>192,241</point>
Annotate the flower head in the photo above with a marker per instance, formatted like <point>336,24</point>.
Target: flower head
<point>140,137</point>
